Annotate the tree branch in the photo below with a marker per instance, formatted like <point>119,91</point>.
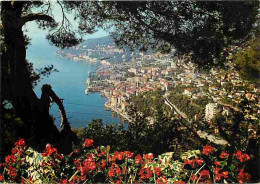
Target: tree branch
<point>35,16</point>
<point>46,89</point>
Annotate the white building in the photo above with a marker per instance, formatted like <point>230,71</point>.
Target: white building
<point>210,111</point>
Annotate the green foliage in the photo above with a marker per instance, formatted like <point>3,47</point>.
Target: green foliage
<point>185,105</point>
<point>141,136</point>
<point>148,103</point>
<point>228,86</point>
<point>11,128</point>
<point>113,135</point>
<point>202,29</point>
<point>203,101</point>
<point>98,164</point>
<point>247,62</point>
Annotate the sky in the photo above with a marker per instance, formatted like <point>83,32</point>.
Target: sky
<point>39,36</point>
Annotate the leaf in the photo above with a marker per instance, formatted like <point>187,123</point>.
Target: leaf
<point>223,163</point>
<point>232,167</point>
<point>29,151</point>
<point>66,158</point>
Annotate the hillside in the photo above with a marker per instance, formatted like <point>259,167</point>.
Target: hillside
<point>100,48</point>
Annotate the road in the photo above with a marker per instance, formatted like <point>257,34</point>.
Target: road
<point>201,134</point>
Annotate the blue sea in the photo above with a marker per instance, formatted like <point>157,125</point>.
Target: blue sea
<point>69,84</point>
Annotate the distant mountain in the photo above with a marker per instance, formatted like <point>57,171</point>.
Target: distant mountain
<point>101,48</point>
<point>93,42</point>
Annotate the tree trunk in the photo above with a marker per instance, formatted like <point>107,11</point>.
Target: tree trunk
<point>39,126</point>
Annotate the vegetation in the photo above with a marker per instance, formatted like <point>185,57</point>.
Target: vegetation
<point>247,61</point>
<point>96,164</point>
<point>205,31</point>
<point>149,103</point>
<point>141,136</point>
<point>185,105</point>
<point>202,29</point>
<point>212,26</point>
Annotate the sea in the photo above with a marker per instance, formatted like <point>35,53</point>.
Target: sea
<point>69,84</point>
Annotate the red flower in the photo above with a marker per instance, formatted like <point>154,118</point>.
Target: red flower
<point>70,154</point>
<point>14,150</point>
<point>223,155</point>
<point>241,157</point>
<point>118,181</point>
<point>49,150</point>
<point>10,159</point>
<point>76,162</point>
<point>186,162</point>
<point>207,181</point>
<point>111,172</point>
<point>101,153</point>
<point>63,181</point>
<point>20,143</point>
<point>193,177</point>
<point>198,161</point>
<point>128,154</point>
<point>61,157</point>
<point>149,173</point>
<point>1,177</point>
<point>74,179</point>
<point>217,177</point>
<point>157,170</point>
<point>204,173</point>
<point>243,177</point>
<point>138,159</point>
<point>179,182</point>
<point>83,178</point>
<point>161,180</point>
<point>88,165</point>
<point>193,163</point>
<point>12,171</point>
<point>225,174</point>
<point>118,170</point>
<point>148,156</point>
<point>103,163</point>
<point>217,163</point>
<point>207,150</point>
<point>88,143</point>
<point>121,156</point>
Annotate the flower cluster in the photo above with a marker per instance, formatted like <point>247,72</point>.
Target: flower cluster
<point>98,164</point>
<point>13,162</point>
<point>217,166</point>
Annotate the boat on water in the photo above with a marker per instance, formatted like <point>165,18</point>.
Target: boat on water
<point>88,81</point>
<point>86,91</point>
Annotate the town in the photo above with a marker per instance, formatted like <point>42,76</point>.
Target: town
<point>184,91</point>
<point>150,72</point>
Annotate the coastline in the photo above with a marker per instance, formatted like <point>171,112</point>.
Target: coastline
<point>125,116</point>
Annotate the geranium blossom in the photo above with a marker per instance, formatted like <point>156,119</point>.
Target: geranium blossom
<point>100,165</point>
<point>138,159</point>
<point>20,143</point>
<point>223,155</point>
<point>243,177</point>
<point>204,173</point>
<point>161,180</point>
<point>88,143</point>
<point>207,150</point>
<point>242,157</point>
<point>49,150</point>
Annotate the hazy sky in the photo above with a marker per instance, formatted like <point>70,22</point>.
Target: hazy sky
<point>39,36</point>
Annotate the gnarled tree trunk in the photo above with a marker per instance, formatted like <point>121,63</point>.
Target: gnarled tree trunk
<point>16,84</point>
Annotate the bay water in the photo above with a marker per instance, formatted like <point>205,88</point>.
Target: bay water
<point>69,84</point>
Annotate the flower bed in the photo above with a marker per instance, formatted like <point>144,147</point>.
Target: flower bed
<point>98,164</point>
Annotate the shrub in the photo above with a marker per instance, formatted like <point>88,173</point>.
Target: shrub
<point>99,164</point>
